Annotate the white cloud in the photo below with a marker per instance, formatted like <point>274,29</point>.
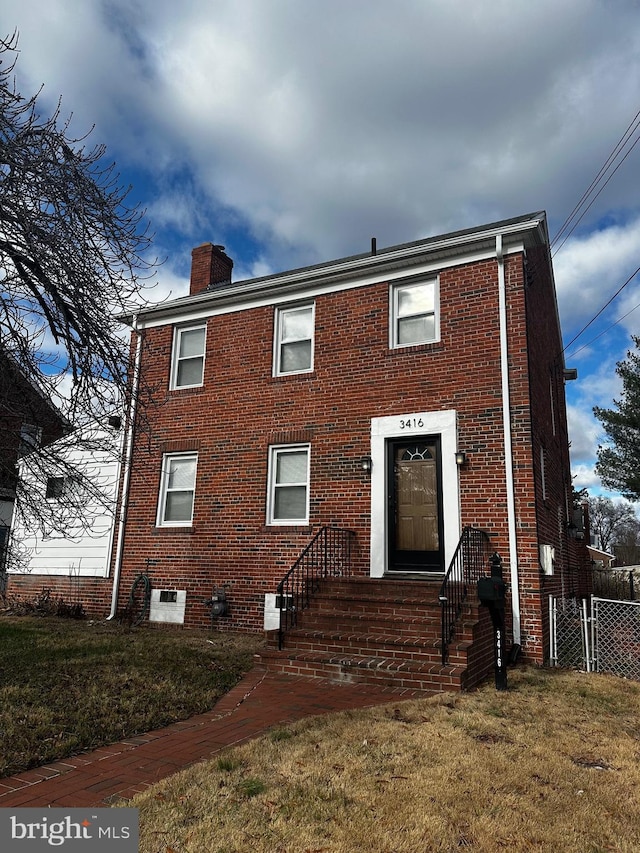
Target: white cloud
<point>294,132</point>
<point>590,269</point>
<point>323,123</point>
<point>584,433</point>
<point>584,477</point>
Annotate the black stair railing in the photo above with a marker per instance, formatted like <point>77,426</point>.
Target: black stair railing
<point>469,563</point>
<point>328,555</point>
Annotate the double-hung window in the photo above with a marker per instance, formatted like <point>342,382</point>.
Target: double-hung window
<point>414,314</point>
<point>187,370</point>
<point>293,346</point>
<point>288,499</point>
<point>177,489</point>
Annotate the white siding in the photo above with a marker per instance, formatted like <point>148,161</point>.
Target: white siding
<point>83,549</point>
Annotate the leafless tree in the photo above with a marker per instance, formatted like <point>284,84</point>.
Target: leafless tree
<point>73,254</point>
<point>626,544</point>
<point>607,518</point>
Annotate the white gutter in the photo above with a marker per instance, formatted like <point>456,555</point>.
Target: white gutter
<point>124,497</point>
<point>508,449</point>
<point>400,257</point>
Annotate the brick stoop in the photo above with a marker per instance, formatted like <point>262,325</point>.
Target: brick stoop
<point>384,632</point>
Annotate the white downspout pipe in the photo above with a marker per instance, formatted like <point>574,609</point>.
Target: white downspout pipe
<point>508,449</point>
<point>126,477</point>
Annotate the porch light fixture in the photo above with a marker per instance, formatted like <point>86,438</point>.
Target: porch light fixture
<point>366,464</point>
<point>461,458</point>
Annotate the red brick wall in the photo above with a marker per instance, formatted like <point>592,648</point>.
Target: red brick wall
<point>242,409</point>
<point>549,436</point>
<point>93,593</point>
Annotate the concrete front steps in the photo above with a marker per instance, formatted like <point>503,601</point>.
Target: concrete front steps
<point>385,632</point>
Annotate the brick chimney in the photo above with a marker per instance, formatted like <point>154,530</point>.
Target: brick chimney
<point>210,266</point>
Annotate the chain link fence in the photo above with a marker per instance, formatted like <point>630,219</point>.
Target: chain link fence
<point>569,633</point>
<point>615,630</point>
<point>599,635</point>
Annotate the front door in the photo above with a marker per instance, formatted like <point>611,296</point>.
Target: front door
<point>415,505</point>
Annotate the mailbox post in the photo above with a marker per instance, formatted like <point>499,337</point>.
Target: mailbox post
<point>492,592</point>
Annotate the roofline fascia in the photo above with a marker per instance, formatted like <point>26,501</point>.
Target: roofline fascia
<point>343,269</point>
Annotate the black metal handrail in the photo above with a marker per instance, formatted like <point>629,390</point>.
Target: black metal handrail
<point>468,564</point>
<point>327,555</point>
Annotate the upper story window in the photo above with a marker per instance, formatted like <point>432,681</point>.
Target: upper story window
<point>293,346</point>
<point>30,439</point>
<point>414,314</point>
<point>59,488</point>
<point>288,499</point>
<point>177,489</point>
<point>55,488</point>
<point>187,370</point>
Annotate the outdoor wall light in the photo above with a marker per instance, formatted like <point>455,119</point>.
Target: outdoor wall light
<point>366,464</point>
<point>461,458</point>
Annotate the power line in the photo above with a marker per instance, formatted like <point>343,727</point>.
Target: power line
<point>585,203</point>
<point>623,142</point>
<point>604,331</point>
<point>604,307</point>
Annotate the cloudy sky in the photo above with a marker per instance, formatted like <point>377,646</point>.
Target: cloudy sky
<point>292,131</point>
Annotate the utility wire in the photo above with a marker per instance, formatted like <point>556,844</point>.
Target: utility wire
<point>593,319</point>
<point>627,141</point>
<point>587,208</point>
<point>620,145</point>
<point>604,331</point>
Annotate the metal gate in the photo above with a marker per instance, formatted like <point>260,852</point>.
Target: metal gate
<point>600,635</point>
<point>569,633</point>
<point>615,632</point>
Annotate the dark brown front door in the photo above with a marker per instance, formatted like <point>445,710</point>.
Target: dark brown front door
<point>415,505</point>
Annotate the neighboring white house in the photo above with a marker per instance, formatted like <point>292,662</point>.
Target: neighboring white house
<point>74,533</point>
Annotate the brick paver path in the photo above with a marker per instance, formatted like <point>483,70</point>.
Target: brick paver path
<point>260,701</point>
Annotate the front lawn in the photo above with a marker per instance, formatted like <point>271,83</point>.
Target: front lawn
<point>68,686</point>
<point>551,765</point>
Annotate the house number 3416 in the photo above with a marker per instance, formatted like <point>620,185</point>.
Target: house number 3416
<point>411,423</point>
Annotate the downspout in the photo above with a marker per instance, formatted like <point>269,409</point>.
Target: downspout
<point>508,448</point>
<point>126,477</point>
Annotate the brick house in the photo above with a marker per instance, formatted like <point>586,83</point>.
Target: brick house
<point>395,416</point>
<point>402,395</point>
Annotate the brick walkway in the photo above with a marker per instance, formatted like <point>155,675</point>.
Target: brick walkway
<point>259,702</point>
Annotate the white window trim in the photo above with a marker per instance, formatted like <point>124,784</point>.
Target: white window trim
<point>443,423</point>
<point>175,359</point>
<point>393,313</point>
<point>277,326</point>
<point>274,451</point>
<point>162,496</point>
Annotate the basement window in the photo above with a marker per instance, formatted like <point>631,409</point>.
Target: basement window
<point>169,596</point>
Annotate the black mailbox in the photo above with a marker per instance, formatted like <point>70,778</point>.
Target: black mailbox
<point>492,590</point>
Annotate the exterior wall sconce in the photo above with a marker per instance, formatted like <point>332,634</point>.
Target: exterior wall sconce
<point>461,458</point>
<point>366,464</point>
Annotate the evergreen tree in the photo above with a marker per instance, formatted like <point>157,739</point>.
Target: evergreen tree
<point>619,460</point>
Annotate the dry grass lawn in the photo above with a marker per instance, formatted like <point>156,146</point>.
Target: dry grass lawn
<point>553,764</point>
<point>68,686</point>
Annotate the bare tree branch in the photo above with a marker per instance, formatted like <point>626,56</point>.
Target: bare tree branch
<point>73,254</point>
